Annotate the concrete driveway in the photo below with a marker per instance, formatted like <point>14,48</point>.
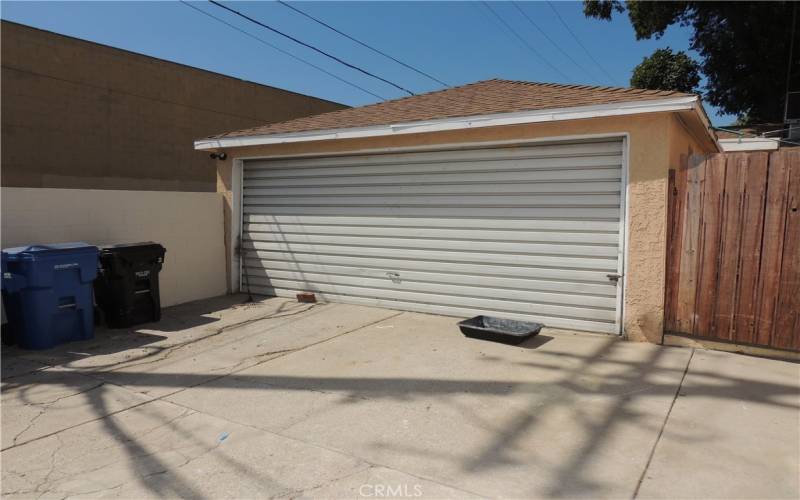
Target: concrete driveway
<point>280,399</point>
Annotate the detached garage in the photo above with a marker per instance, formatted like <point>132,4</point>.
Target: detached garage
<point>528,201</point>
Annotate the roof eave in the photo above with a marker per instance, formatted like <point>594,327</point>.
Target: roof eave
<point>706,121</point>
<point>491,120</point>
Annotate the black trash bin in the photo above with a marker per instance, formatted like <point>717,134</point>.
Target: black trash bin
<point>126,288</point>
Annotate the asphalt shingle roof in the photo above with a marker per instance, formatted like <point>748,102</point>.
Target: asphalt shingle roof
<point>474,99</point>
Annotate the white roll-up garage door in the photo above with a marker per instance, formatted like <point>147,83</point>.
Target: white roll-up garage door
<point>528,233</point>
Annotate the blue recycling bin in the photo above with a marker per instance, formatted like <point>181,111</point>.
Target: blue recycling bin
<point>47,293</point>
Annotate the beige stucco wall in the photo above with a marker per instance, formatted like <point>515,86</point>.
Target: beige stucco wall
<point>683,141</point>
<point>189,225</point>
<point>655,140</point>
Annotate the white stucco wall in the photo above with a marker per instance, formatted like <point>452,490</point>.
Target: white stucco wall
<point>188,225</point>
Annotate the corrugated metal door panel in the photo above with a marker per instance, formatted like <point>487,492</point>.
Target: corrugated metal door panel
<point>402,263</point>
<point>467,178</point>
<point>471,223</point>
<point>269,231</point>
<point>570,150</point>
<point>522,232</point>
<point>461,167</point>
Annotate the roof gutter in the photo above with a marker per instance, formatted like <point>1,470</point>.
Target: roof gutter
<point>494,120</point>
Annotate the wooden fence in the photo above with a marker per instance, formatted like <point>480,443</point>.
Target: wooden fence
<point>733,249</point>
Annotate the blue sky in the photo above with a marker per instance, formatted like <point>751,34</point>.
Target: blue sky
<point>457,42</point>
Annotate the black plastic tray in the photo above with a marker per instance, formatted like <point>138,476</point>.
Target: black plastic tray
<point>507,331</point>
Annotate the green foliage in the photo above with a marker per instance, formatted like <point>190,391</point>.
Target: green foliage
<point>743,47</point>
<point>667,70</point>
<point>601,9</point>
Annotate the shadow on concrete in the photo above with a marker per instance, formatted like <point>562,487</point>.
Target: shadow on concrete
<point>629,381</point>
<point>191,314</point>
<point>535,342</point>
<point>142,341</point>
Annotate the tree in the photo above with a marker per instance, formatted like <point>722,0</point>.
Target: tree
<point>667,70</point>
<point>744,47</point>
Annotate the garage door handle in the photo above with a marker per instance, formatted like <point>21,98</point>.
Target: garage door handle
<point>614,277</point>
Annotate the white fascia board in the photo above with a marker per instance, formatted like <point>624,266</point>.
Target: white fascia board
<point>749,144</point>
<point>493,120</point>
<point>701,111</point>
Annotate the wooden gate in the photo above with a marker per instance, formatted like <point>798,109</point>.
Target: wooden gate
<point>733,249</point>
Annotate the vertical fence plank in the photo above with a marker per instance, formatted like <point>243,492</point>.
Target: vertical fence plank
<point>709,245</point>
<point>674,237</point>
<point>687,282</point>
<point>772,247</point>
<point>733,250</point>
<point>786,329</point>
<point>730,245</point>
<point>680,194</point>
<point>747,292</point>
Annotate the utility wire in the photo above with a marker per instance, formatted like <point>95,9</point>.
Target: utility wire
<point>304,44</point>
<point>377,51</point>
<point>296,58</point>
<point>496,23</point>
<point>556,45</point>
<point>529,47</point>
<point>775,131</point>
<point>611,78</point>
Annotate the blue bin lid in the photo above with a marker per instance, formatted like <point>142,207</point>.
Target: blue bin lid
<point>33,252</point>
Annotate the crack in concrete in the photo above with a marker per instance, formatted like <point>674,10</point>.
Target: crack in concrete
<point>270,355</point>
<point>53,458</point>
<point>370,463</point>
<point>254,360</point>
<point>285,353</point>
<point>293,492</point>
<point>663,426</point>
<point>42,367</point>
<point>186,413</point>
<point>43,407</point>
<point>276,354</point>
<point>92,492</point>
<point>67,396</point>
<point>27,427</point>
<point>47,485</point>
<point>54,433</point>
<point>165,352</point>
<point>46,482</point>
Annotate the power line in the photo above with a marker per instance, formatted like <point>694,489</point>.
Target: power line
<point>304,44</point>
<point>497,24</point>
<point>412,68</point>
<point>261,40</point>
<point>533,51</point>
<point>611,78</point>
<point>557,46</point>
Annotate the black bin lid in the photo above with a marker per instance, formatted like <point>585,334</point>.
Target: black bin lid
<point>146,247</point>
